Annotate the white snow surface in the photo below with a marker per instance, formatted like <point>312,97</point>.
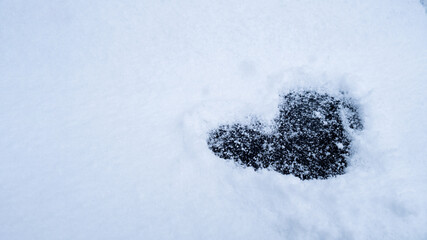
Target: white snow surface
<point>105,108</point>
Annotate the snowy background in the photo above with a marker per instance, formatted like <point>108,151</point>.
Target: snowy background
<point>105,108</point>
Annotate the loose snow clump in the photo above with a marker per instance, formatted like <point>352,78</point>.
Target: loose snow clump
<point>310,137</point>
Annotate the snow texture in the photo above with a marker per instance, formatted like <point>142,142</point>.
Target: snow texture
<point>309,139</point>
<point>424,3</point>
<point>105,108</point>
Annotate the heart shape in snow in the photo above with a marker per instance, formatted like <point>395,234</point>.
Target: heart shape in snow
<point>309,138</point>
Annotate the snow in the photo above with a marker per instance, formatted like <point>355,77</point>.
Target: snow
<point>105,108</point>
